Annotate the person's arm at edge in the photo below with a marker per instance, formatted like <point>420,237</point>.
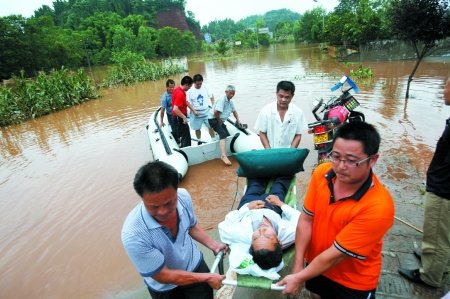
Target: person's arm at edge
<point>236,116</point>
<point>323,262</point>
<point>161,116</point>
<point>264,139</point>
<point>296,141</point>
<point>192,108</point>
<point>217,116</point>
<point>199,234</point>
<point>302,239</point>
<point>179,113</point>
<point>182,278</point>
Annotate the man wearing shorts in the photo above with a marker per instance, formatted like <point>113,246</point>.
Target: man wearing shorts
<point>201,99</point>
<point>222,109</point>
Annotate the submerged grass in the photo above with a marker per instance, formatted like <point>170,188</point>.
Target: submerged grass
<point>131,67</point>
<point>31,98</point>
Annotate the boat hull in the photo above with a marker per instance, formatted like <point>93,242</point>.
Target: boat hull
<point>166,149</point>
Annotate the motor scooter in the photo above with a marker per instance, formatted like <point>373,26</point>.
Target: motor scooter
<point>332,114</point>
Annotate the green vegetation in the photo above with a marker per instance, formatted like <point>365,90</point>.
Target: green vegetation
<point>47,93</point>
<point>130,67</point>
<point>80,33</point>
<point>281,22</point>
<point>408,21</point>
<point>222,47</point>
<point>361,72</point>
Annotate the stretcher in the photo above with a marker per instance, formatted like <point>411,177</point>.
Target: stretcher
<point>234,280</point>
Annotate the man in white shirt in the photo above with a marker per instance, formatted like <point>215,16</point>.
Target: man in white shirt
<point>280,124</point>
<point>201,99</point>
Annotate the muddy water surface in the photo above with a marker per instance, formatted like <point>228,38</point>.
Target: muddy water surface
<point>65,179</point>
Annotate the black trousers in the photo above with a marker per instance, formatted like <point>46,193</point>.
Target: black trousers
<point>193,291</point>
<point>256,191</point>
<point>328,289</point>
<point>182,132</point>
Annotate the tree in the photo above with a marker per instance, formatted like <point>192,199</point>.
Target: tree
<point>247,38</point>
<point>283,30</point>
<point>271,18</point>
<point>102,26</point>
<point>357,22</point>
<point>422,23</point>
<point>311,25</point>
<point>172,43</point>
<point>224,29</point>
<point>222,47</point>
<point>123,39</point>
<point>146,42</point>
<point>14,48</point>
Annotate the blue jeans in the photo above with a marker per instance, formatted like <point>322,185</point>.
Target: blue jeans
<point>256,190</point>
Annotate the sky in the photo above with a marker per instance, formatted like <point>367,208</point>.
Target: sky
<point>205,11</point>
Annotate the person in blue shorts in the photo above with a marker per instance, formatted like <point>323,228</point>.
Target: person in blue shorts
<point>201,98</point>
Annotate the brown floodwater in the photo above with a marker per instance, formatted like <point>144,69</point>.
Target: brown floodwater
<point>66,178</point>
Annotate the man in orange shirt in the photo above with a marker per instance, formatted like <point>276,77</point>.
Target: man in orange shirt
<point>346,213</point>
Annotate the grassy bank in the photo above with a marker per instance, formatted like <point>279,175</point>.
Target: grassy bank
<point>30,98</point>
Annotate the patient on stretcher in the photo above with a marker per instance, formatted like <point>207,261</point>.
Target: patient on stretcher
<point>261,228</point>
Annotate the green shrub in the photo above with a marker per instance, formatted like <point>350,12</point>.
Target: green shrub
<point>131,67</point>
<point>30,98</point>
<point>362,72</point>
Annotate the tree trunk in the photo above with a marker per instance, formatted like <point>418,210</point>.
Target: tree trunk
<point>419,56</point>
<point>410,78</point>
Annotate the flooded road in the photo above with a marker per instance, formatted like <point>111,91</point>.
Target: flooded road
<point>66,178</point>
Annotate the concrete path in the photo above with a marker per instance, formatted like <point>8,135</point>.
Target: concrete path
<point>398,245</point>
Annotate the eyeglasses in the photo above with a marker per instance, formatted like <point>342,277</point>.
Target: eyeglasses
<point>336,158</point>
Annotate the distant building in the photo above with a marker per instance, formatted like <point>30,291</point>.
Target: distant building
<point>265,30</point>
<point>207,38</point>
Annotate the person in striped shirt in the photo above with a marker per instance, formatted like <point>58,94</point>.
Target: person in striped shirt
<point>158,236</point>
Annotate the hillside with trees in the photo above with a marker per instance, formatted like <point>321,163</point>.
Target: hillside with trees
<point>78,33</point>
<point>281,22</point>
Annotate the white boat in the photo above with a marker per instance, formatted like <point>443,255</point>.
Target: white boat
<point>166,149</point>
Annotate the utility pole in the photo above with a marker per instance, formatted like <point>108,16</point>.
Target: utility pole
<point>257,34</point>
<point>323,19</point>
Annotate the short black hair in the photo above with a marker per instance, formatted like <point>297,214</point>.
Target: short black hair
<point>187,80</point>
<point>267,259</point>
<point>286,86</point>
<point>169,81</point>
<point>360,131</point>
<point>154,177</point>
<point>198,77</point>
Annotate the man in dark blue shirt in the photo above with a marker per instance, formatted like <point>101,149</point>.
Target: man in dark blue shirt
<point>435,255</point>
